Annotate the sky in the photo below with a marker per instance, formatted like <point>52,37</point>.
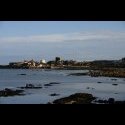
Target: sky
<point>77,40</point>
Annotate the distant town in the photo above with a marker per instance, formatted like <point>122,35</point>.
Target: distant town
<point>59,63</point>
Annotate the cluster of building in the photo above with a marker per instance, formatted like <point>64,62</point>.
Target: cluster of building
<point>57,63</point>
<point>67,64</point>
<point>28,64</point>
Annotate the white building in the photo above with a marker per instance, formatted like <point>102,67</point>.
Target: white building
<point>42,61</point>
<point>40,65</point>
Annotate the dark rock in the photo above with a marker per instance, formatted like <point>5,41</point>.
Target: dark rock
<point>115,84</point>
<point>78,74</point>
<point>108,72</point>
<point>78,98</point>
<point>10,92</point>
<point>99,82</point>
<point>47,84</point>
<point>88,88</point>
<point>54,94</point>
<point>31,86</point>
<point>22,74</point>
<point>53,83</point>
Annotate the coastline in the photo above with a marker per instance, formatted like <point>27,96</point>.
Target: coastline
<point>93,72</point>
<point>106,72</point>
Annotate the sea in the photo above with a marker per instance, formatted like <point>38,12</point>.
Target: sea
<point>100,87</point>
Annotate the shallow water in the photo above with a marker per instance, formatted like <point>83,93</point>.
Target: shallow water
<point>68,85</point>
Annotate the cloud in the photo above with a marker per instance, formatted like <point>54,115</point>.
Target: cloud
<point>67,37</point>
<point>40,38</point>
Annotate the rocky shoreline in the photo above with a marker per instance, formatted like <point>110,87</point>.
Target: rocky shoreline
<point>84,98</point>
<point>111,72</point>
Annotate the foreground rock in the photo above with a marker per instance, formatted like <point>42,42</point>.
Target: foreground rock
<point>31,86</point>
<point>84,98</point>
<point>10,92</point>
<point>78,98</point>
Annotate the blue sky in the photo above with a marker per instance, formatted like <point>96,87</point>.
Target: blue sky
<point>79,40</point>
<point>24,28</point>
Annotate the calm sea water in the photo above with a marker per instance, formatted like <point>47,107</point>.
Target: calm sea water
<point>11,78</point>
